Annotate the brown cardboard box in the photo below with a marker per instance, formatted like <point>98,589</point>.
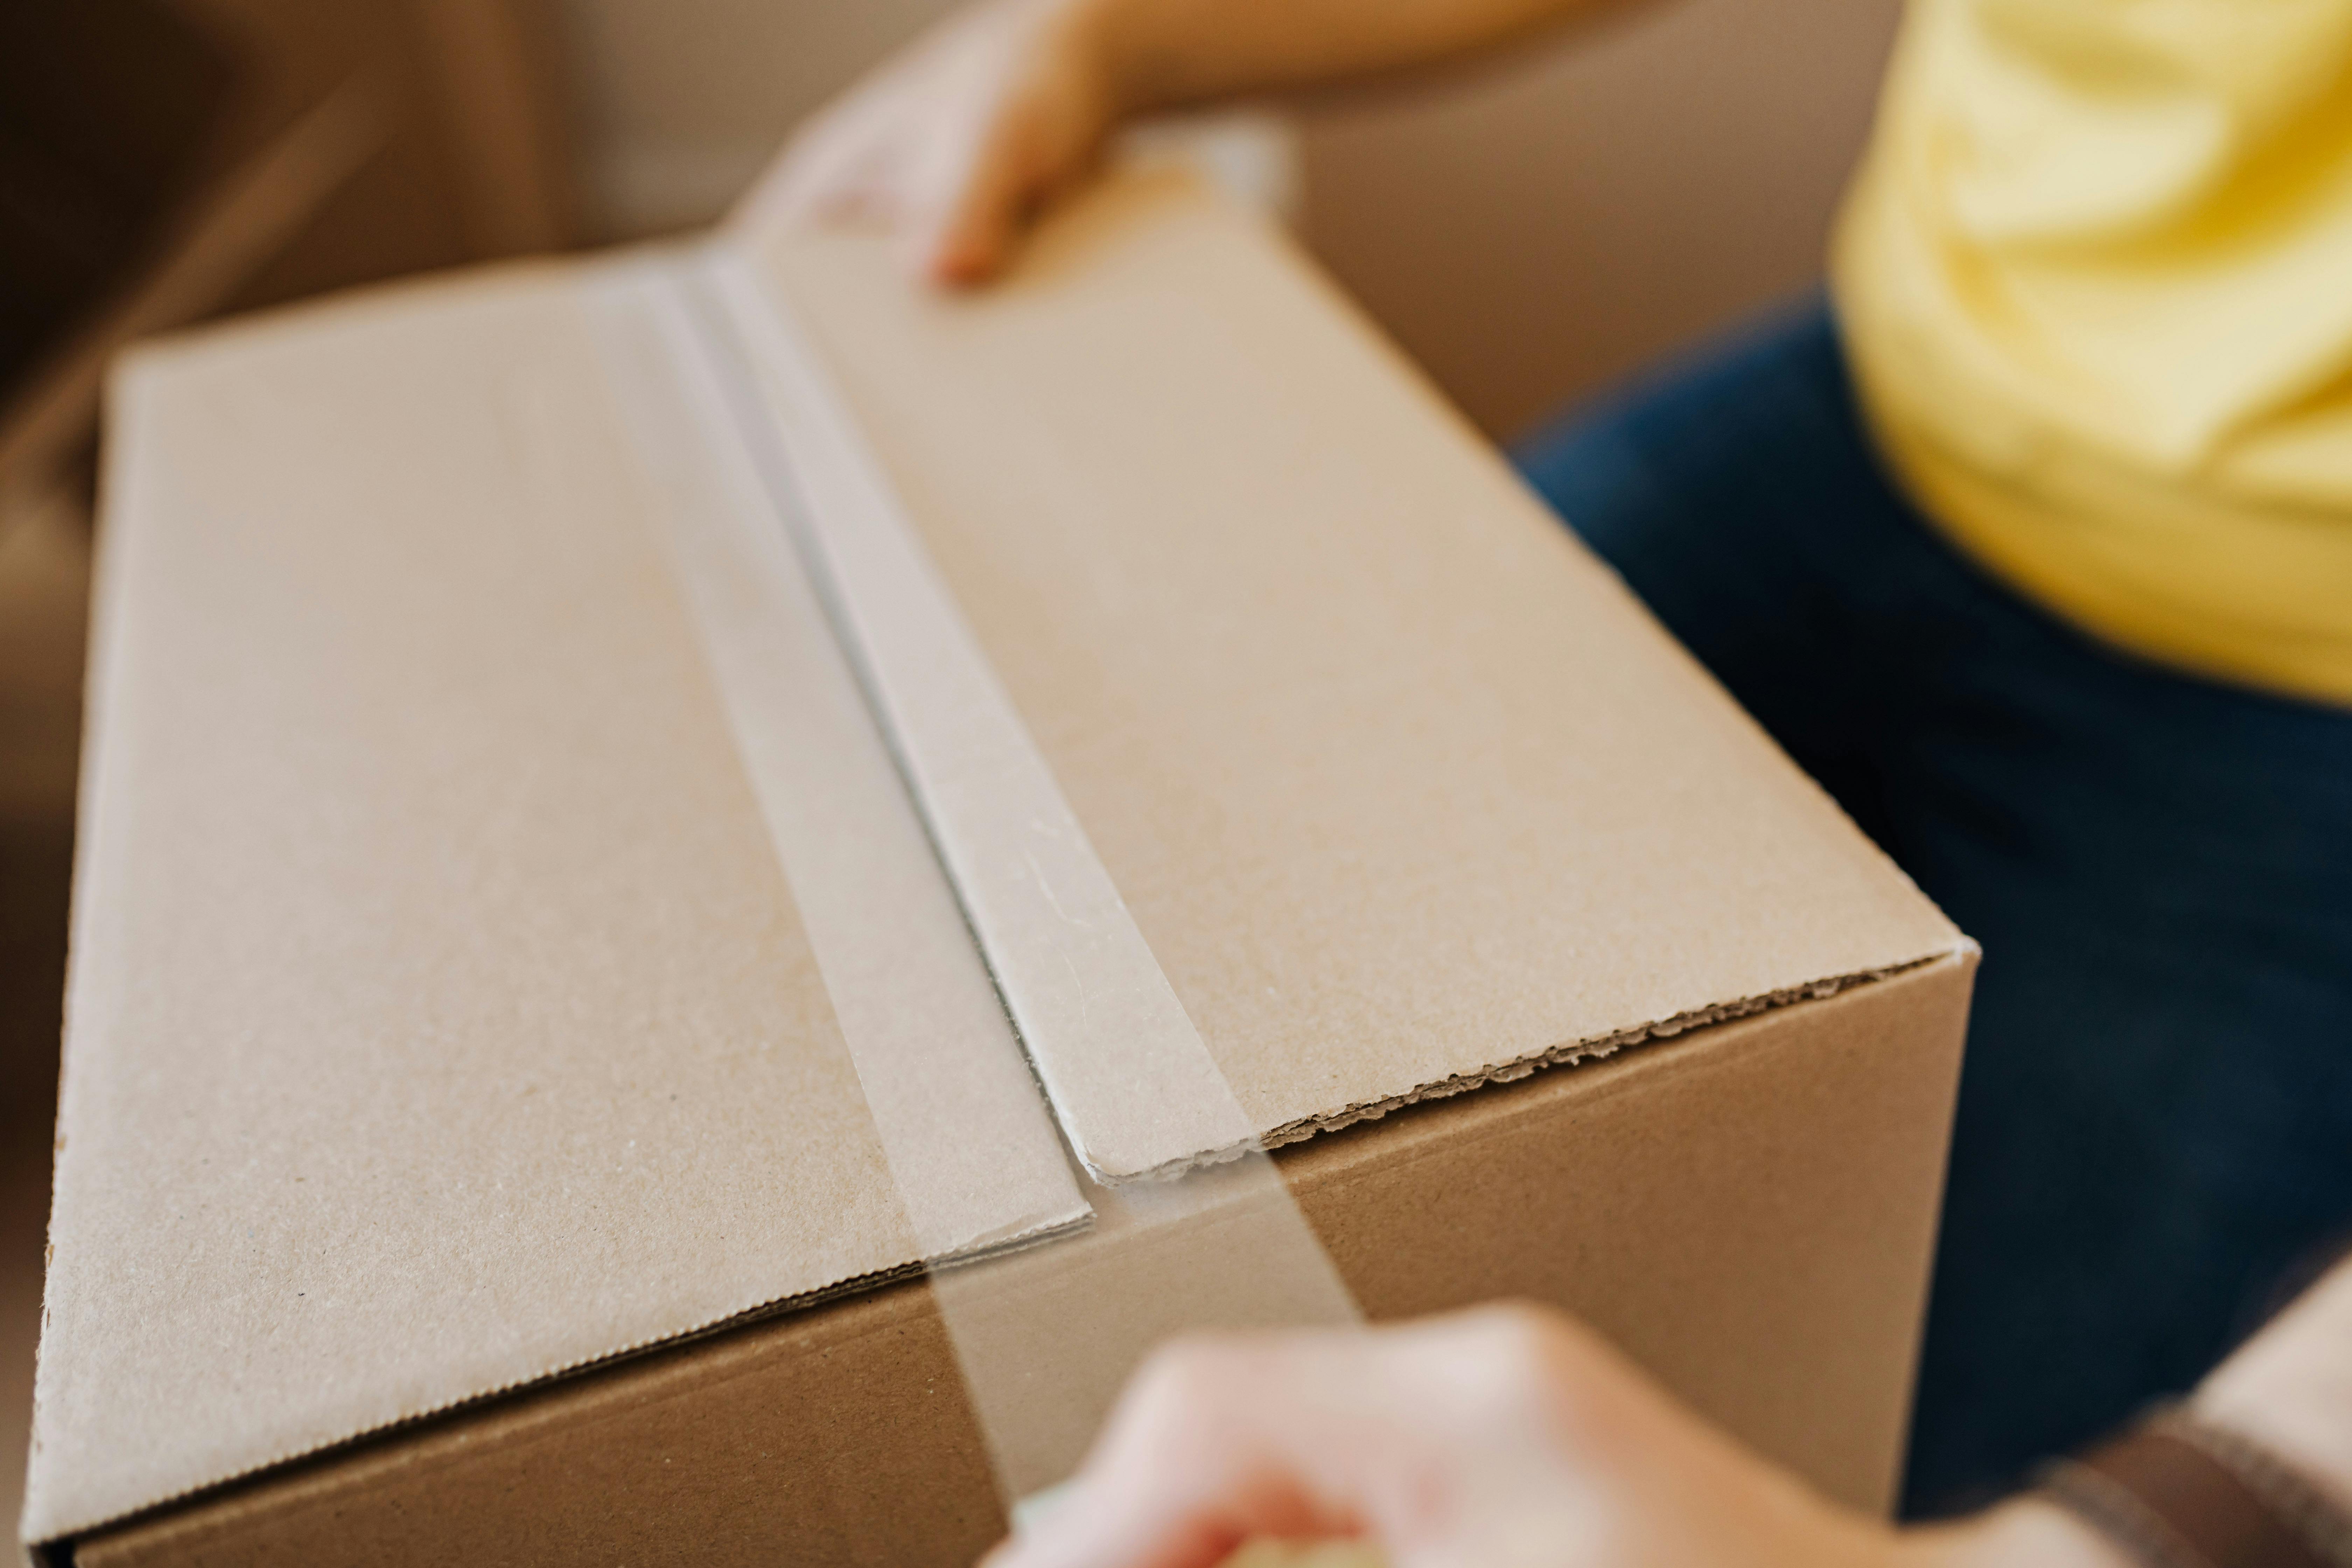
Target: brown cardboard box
<point>460,1151</point>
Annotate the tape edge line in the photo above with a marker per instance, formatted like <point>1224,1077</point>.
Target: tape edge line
<point>1111,1043</point>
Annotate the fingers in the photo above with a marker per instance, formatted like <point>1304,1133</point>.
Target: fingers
<point>973,224</point>
<point>1215,1441</point>
<point>2290,1388</point>
<point>971,205</point>
<point>956,144</point>
<point>1445,1441</point>
<point>841,170</point>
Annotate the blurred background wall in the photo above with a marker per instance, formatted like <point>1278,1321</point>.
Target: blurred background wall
<point>1528,232</point>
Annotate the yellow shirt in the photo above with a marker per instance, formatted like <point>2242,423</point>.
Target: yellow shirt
<point>2096,283</point>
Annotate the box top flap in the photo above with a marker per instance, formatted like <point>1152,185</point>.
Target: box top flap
<point>1401,785</point>
<point>440,1016</point>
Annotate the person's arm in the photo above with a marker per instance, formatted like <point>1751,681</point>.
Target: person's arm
<point>1169,53</point>
<point>2289,1388</point>
<point>1510,1437</point>
<point>958,140</point>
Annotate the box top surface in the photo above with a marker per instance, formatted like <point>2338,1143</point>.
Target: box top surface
<point>1399,782</point>
<point>440,1017</point>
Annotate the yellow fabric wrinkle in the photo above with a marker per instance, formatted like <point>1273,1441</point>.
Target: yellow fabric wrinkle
<point>2094,277</point>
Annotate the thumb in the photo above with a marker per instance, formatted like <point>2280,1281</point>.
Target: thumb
<point>969,228</point>
<point>1218,1440</point>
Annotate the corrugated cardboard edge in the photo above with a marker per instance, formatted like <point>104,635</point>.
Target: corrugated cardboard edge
<point>1567,1055</point>
<point>46,1553</point>
<point>1591,1049</point>
<point>1553,1057</point>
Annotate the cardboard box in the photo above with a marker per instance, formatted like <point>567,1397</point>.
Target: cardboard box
<point>459,1152</point>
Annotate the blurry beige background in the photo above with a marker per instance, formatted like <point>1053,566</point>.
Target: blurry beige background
<point>1530,233</point>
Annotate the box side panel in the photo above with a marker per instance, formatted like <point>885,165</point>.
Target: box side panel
<point>834,1436</point>
<point>1750,1215</point>
<point>1749,1211</point>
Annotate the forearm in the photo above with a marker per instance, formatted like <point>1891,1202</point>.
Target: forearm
<point>2026,1533</point>
<point>1167,53</point>
<point>2289,1389</point>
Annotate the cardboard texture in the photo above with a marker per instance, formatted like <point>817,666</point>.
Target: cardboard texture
<point>442,1018</point>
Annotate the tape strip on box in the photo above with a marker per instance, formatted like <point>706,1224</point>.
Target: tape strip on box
<point>757,524</point>
<point>1134,1090</point>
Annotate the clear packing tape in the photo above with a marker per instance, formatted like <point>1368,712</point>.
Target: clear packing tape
<point>968,935</point>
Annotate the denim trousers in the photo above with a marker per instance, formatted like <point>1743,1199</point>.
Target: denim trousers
<point>2154,1123</point>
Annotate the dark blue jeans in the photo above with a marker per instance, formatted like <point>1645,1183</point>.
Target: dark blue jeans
<point>2155,1126</point>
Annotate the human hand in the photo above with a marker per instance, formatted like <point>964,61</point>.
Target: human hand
<point>1504,1437</point>
<point>957,142</point>
<point>2289,1388</point>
